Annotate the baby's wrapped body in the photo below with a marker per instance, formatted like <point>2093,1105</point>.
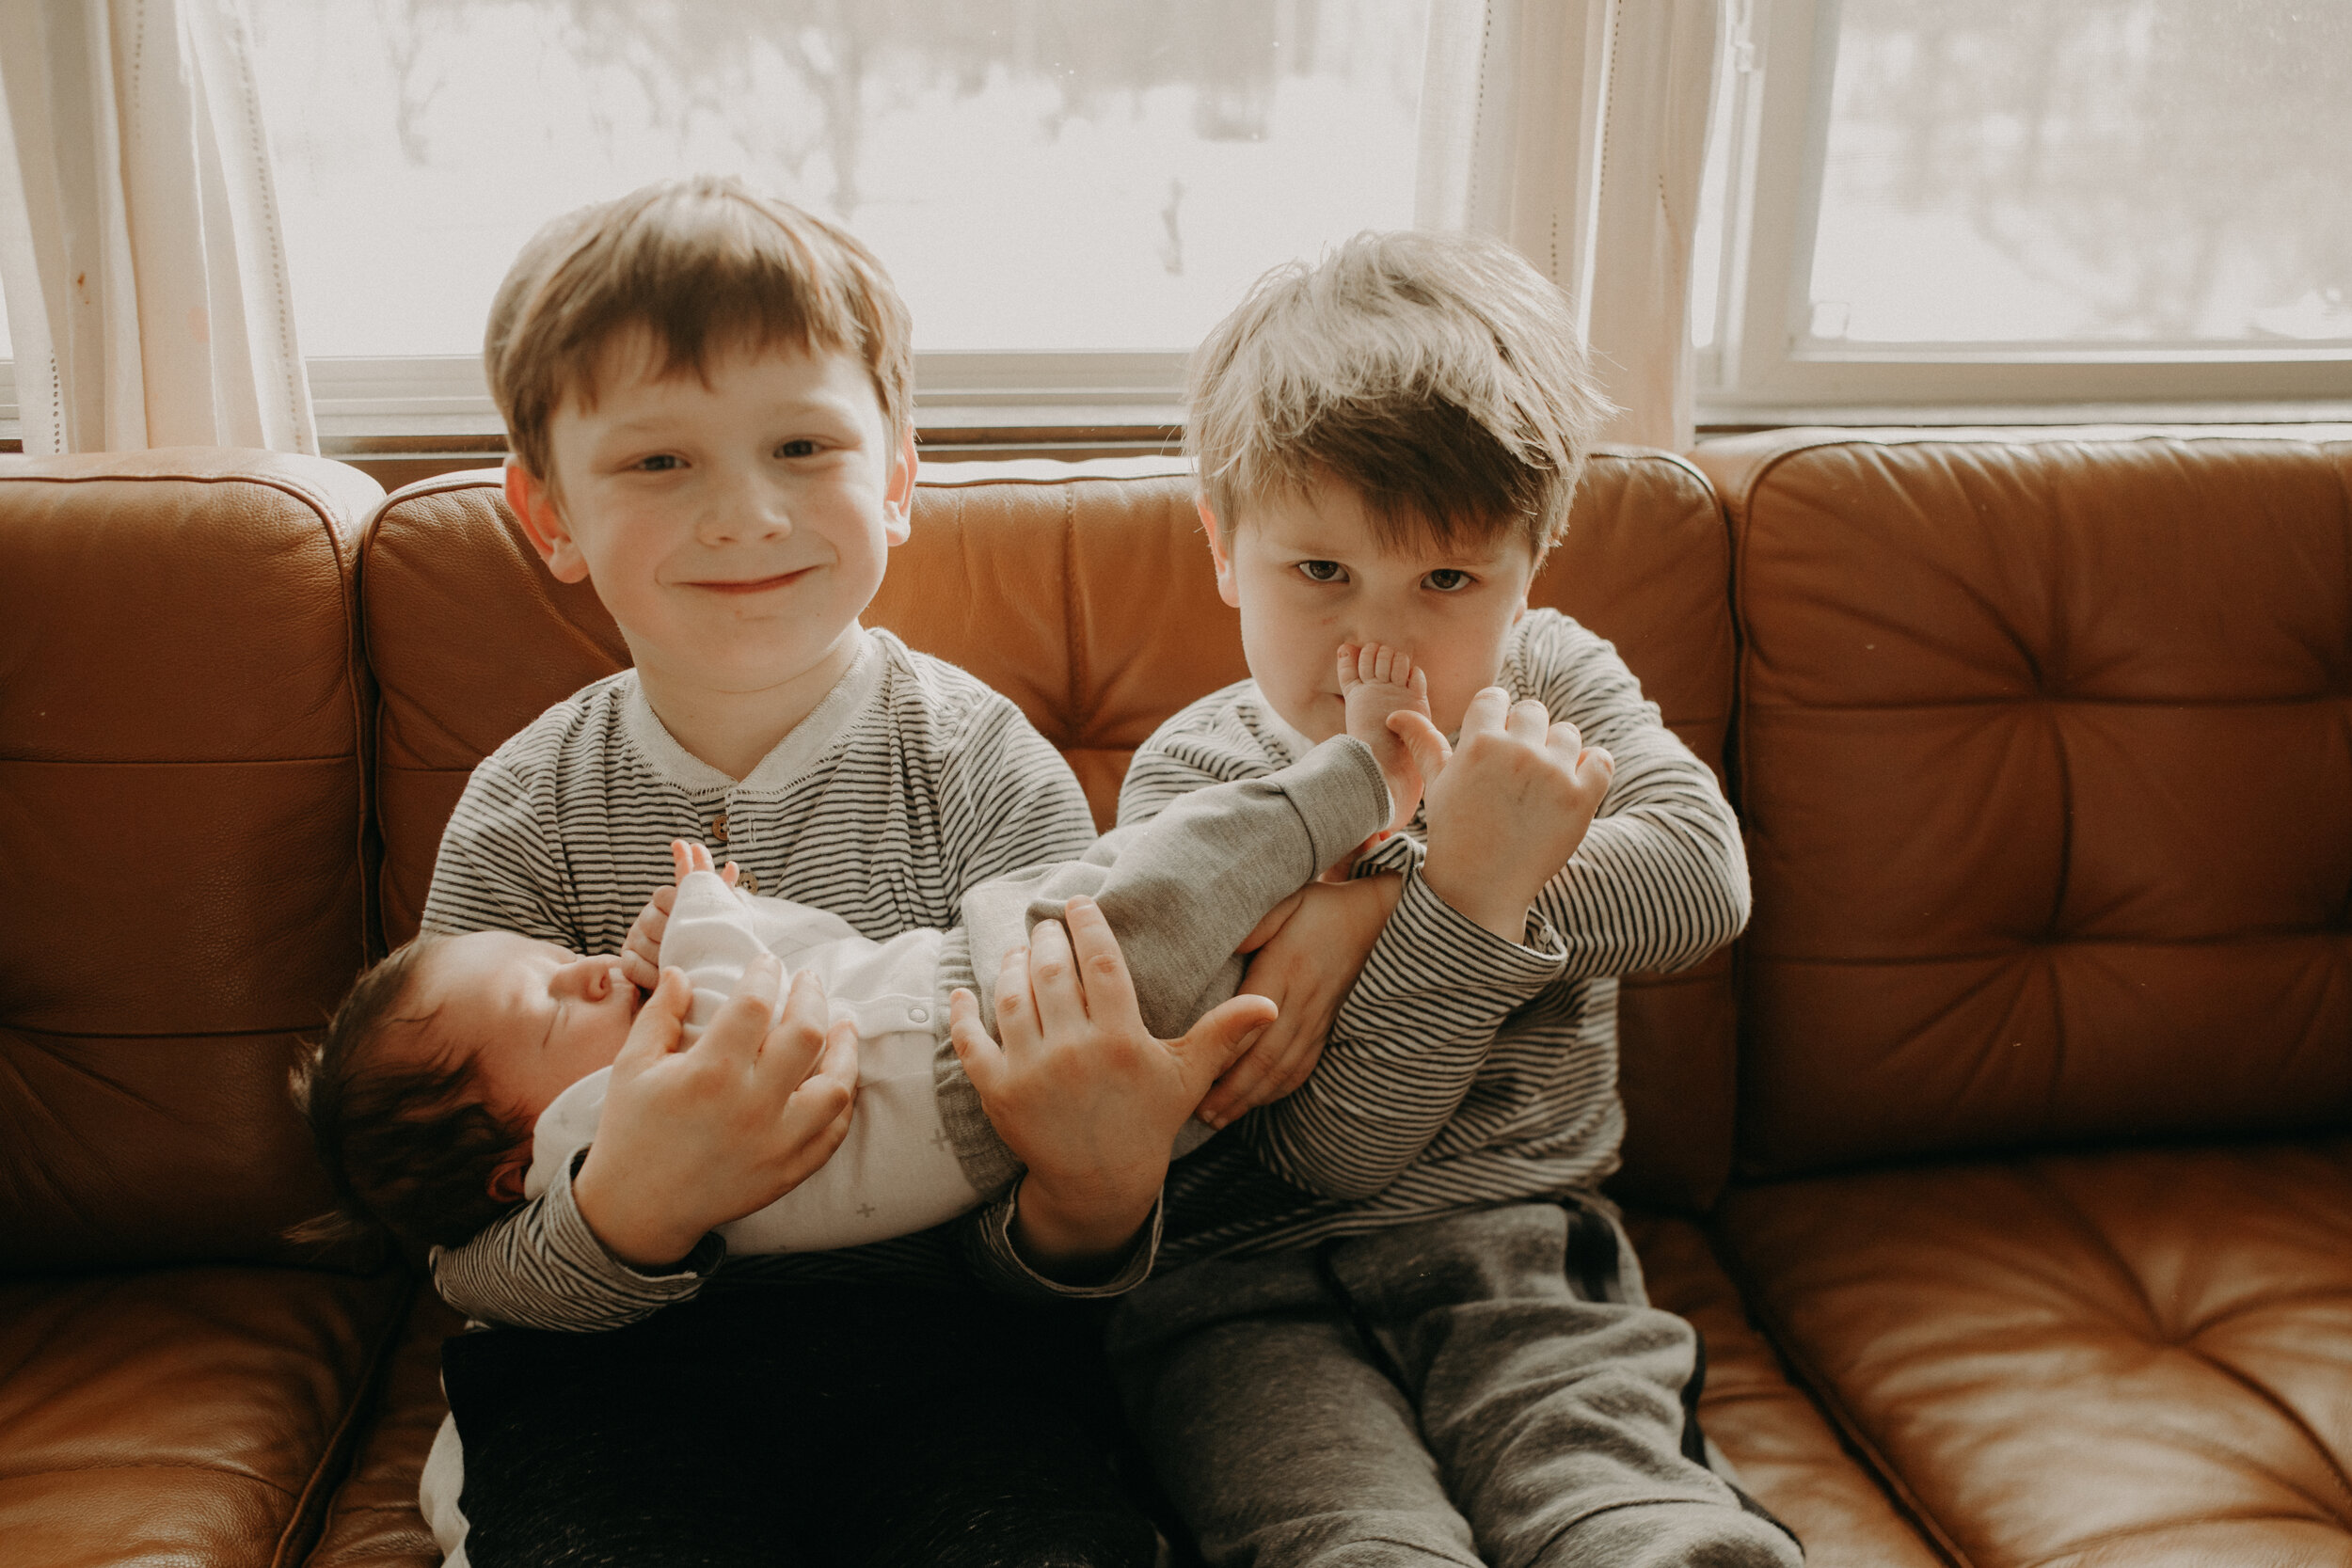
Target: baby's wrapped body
<point>1181,891</point>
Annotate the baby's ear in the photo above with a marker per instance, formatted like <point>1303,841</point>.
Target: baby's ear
<point>506,1182</point>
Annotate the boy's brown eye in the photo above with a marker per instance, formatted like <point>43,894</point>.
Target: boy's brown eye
<point>661,463</point>
<point>1445,579</point>
<point>797,449</point>
<point>1321,571</point>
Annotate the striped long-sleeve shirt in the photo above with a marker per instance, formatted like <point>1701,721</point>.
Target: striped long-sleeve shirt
<point>1464,1069</point>
<point>910,782</point>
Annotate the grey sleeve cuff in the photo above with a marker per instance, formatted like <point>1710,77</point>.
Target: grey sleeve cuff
<point>988,1163</point>
<point>999,1266</point>
<point>1339,794</point>
<point>543,1267</point>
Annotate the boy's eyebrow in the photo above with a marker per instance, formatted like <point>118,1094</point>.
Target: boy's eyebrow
<point>790,409</point>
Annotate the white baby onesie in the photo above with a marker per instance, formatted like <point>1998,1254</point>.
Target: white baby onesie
<point>896,1172</point>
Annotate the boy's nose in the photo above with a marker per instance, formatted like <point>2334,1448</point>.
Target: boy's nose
<point>746,510</point>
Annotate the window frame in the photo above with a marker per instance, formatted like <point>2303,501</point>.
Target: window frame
<point>1763,368</point>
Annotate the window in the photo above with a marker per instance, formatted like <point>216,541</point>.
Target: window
<point>2016,202</point>
<point>1068,192</point>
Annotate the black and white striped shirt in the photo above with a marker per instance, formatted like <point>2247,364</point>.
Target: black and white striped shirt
<point>909,781</point>
<point>1464,1069</point>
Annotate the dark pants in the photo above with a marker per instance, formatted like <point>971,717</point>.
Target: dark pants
<point>803,1424</point>
<point>1486,1389</point>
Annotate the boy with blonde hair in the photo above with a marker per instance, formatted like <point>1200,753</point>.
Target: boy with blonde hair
<point>1407,1329</point>
<point>708,396</point>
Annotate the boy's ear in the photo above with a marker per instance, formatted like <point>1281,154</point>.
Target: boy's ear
<point>1224,564</point>
<point>898,494</point>
<point>534,505</point>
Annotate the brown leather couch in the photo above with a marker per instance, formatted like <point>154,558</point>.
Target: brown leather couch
<point>2007,1165</point>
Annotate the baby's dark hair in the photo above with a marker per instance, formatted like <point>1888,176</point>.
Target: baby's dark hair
<point>407,1142</point>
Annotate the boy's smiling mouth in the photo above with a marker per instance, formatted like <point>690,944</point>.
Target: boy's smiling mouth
<point>751,585</point>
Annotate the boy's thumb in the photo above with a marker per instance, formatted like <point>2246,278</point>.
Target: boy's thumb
<point>1424,740</point>
<point>1217,1041</point>
<point>660,1026</point>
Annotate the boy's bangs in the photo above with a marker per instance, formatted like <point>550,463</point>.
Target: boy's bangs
<point>1431,474</point>
<point>715,280</point>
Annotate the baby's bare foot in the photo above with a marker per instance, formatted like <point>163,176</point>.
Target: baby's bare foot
<point>1374,682</point>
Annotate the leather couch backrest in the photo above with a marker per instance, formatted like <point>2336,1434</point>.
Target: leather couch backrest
<point>182,815</point>
<point>1090,602</point>
<point>2045,759</point>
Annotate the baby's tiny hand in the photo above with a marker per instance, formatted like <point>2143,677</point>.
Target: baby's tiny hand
<point>641,955</point>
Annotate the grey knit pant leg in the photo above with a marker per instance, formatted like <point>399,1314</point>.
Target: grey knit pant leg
<point>1278,1398</point>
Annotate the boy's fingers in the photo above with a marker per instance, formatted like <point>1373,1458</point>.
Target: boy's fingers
<point>1528,721</point>
<point>839,1062</point>
<point>1210,1046</point>
<point>1424,741</point>
<point>1564,737</point>
<point>1273,1067</point>
<point>644,975</point>
<point>680,861</point>
<point>660,1023</point>
<point>1016,1009</point>
<point>983,1058</point>
<point>740,1028</point>
<point>1054,986</point>
<point>1487,711</point>
<point>821,1143</point>
<point>797,1038</point>
<point>1275,919</point>
<point>1232,1093</point>
<point>1596,767</point>
<point>1110,991</point>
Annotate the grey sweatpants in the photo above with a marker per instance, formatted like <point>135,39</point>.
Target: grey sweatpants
<point>1463,1391</point>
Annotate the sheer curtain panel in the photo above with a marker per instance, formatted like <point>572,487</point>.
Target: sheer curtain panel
<point>140,243</point>
<point>1577,130</point>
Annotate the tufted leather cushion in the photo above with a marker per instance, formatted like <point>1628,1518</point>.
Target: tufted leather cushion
<point>2126,1357</point>
<point>183,1415</point>
<point>181,808</point>
<point>373,1520</point>
<point>1090,602</point>
<point>2044,748</point>
<point>1780,1449</point>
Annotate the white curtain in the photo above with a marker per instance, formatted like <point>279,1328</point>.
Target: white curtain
<point>1577,130</point>
<point>139,245</point>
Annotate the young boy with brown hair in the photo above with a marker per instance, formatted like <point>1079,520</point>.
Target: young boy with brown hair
<point>1407,1329</point>
<point>708,396</point>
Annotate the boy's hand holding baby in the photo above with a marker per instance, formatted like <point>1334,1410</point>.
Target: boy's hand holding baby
<point>696,1136</point>
<point>1088,1099</point>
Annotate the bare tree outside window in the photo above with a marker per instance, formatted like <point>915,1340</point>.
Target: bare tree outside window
<point>2121,171</point>
<point>1037,173</point>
